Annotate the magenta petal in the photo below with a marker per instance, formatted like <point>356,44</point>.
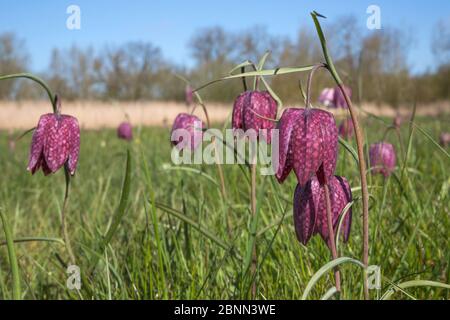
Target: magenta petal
<point>37,142</point>
<point>306,205</point>
<point>125,131</point>
<point>74,142</point>
<point>306,146</point>
<point>56,146</point>
<point>237,120</point>
<point>285,126</point>
<point>382,158</point>
<point>255,110</point>
<point>340,196</point>
<point>329,143</point>
<point>193,128</point>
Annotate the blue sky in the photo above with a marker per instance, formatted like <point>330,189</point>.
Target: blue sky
<point>170,24</point>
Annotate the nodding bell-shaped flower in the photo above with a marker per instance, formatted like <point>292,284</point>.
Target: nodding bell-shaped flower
<point>187,131</point>
<point>444,139</point>
<point>310,215</point>
<point>255,110</point>
<point>55,143</point>
<point>346,128</point>
<point>398,120</point>
<point>308,144</point>
<point>382,158</point>
<point>339,100</point>
<point>188,95</point>
<point>327,97</point>
<point>125,131</point>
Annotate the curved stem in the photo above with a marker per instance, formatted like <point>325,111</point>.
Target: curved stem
<point>331,238</point>
<point>51,96</point>
<point>364,190</point>
<point>308,86</point>
<point>360,147</point>
<point>63,218</point>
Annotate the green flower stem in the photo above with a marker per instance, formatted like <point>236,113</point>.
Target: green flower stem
<point>334,254</point>
<point>51,96</point>
<point>63,218</point>
<point>360,147</point>
<point>12,257</point>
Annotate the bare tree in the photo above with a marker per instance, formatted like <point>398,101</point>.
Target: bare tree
<point>13,58</point>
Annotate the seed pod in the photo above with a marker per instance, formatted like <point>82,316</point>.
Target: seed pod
<point>382,158</point>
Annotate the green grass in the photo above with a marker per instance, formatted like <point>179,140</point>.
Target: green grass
<point>173,241</point>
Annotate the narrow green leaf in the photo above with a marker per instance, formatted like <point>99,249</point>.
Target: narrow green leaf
<point>325,269</point>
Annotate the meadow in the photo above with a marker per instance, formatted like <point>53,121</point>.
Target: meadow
<point>179,238</point>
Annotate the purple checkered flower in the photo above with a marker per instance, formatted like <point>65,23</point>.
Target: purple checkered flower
<point>382,158</point>
<point>339,100</point>
<point>55,142</point>
<point>308,144</point>
<point>125,131</point>
<point>346,128</point>
<point>187,131</point>
<point>310,216</point>
<point>327,97</point>
<point>255,110</point>
<point>444,139</point>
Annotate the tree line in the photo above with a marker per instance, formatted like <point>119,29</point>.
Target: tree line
<point>375,65</point>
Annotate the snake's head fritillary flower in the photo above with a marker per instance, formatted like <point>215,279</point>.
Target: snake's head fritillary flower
<point>339,99</point>
<point>310,216</point>
<point>125,131</point>
<point>55,142</point>
<point>346,128</point>
<point>308,144</point>
<point>398,120</point>
<point>187,131</point>
<point>255,110</point>
<point>188,95</point>
<point>327,97</point>
<point>444,139</point>
<point>382,158</point>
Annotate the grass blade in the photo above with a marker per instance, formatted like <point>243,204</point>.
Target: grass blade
<point>325,269</point>
<point>12,257</point>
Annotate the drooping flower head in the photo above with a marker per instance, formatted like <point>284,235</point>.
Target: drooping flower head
<point>398,120</point>
<point>327,97</point>
<point>310,216</point>
<point>346,128</point>
<point>339,99</point>
<point>254,110</point>
<point>188,95</point>
<point>382,158</point>
<point>187,131</point>
<point>444,139</point>
<point>125,131</point>
<point>55,142</point>
<point>308,144</point>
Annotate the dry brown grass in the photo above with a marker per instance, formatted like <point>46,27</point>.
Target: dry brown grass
<point>97,115</point>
